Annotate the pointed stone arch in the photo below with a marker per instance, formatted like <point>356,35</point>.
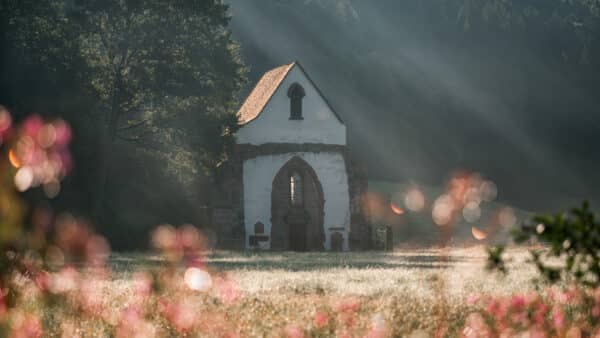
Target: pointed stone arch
<point>297,225</point>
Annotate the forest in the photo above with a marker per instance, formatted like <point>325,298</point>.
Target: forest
<point>504,87</point>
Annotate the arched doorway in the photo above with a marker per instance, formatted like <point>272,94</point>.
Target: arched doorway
<point>297,208</point>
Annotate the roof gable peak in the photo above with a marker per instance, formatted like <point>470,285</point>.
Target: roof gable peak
<point>265,89</point>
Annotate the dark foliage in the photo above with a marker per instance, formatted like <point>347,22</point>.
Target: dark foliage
<point>150,90</point>
<point>573,238</point>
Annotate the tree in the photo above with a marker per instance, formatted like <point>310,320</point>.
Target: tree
<point>158,68</point>
<point>145,82</point>
<point>572,237</point>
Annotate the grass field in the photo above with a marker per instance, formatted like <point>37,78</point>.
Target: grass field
<point>411,292</point>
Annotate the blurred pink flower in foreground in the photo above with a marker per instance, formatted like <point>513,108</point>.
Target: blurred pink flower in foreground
<point>227,290</point>
<point>133,325</point>
<point>26,325</point>
<point>378,327</point>
<point>554,312</point>
<point>292,331</point>
<point>321,319</point>
<point>39,153</point>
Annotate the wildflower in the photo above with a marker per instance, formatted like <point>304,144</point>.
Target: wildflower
<point>42,281</point>
<point>143,284</point>
<point>517,303</point>
<point>558,318</point>
<point>378,327</point>
<point>133,325</point>
<point>321,319</point>
<point>5,123</point>
<point>292,331</point>
<point>496,308</point>
<point>473,298</point>
<point>65,280</point>
<point>26,326</point>
<point>227,290</point>
<point>475,326</point>
<point>32,125</point>
<point>536,332</point>
<point>3,307</point>
<point>347,305</point>
<point>539,315</point>
<point>180,315</point>
<point>596,311</point>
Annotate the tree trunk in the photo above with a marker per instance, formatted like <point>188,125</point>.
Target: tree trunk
<point>106,148</point>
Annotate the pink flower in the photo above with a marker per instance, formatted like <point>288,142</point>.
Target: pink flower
<point>132,324</point>
<point>227,290</point>
<point>321,319</point>
<point>5,123</point>
<point>496,308</point>
<point>3,307</point>
<point>181,315</point>
<point>292,331</point>
<point>517,303</point>
<point>596,311</point>
<point>558,318</point>
<point>378,327</point>
<point>63,133</point>
<point>539,315</point>
<point>29,326</point>
<point>32,125</point>
<point>143,284</point>
<point>67,279</point>
<point>42,281</point>
<point>475,326</point>
<point>537,333</point>
<point>347,305</point>
<point>473,298</point>
<point>597,295</point>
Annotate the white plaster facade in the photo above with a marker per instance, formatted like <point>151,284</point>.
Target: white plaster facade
<point>320,125</point>
<point>331,171</point>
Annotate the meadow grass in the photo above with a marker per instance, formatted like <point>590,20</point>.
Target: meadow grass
<point>414,292</point>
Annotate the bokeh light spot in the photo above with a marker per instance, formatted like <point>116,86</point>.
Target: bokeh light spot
<point>24,178</point>
<point>13,159</point>
<point>164,237</point>
<point>489,191</point>
<point>479,234</point>
<point>52,188</point>
<point>396,209</point>
<point>5,119</point>
<point>471,212</point>
<point>47,136</point>
<point>443,208</point>
<point>414,200</point>
<point>507,218</point>
<point>540,228</point>
<point>197,279</point>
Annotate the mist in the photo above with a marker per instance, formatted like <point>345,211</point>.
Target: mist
<point>423,97</point>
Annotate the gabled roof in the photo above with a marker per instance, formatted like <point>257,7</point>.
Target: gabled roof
<point>266,87</point>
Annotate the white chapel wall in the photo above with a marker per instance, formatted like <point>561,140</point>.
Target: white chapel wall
<point>330,169</point>
<point>273,125</point>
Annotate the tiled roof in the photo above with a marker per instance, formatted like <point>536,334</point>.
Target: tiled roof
<point>266,87</point>
<point>260,95</point>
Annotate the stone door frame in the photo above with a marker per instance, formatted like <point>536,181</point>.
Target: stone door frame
<point>280,199</point>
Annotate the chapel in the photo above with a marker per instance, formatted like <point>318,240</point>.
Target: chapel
<point>291,184</point>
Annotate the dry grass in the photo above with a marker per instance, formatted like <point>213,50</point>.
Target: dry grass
<point>412,290</point>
